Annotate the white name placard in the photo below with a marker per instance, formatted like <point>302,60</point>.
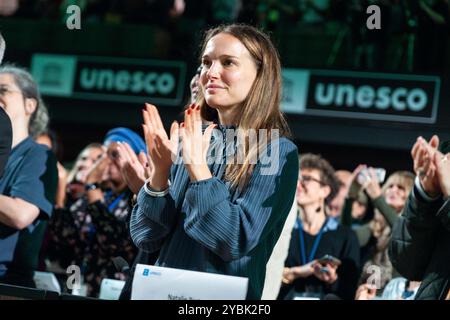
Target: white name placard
<point>158,283</point>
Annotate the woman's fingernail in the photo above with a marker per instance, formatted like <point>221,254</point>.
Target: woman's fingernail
<point>182,124</point>
<point>189,112</point>
<point>146,164</point>
<point>197,108</point>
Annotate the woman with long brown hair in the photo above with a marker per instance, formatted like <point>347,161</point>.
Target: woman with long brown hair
<point>220,206</point>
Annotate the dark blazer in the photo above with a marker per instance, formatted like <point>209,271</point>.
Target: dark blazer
<point>420,245</point>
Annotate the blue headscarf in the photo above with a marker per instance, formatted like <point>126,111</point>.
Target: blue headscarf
<point>125,135</point>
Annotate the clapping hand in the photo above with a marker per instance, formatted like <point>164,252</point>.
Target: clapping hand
<point>135,169</point>
<point>423,153</point>
<point>162,150</point>
<point>442,164</point>
<point>195,144</point>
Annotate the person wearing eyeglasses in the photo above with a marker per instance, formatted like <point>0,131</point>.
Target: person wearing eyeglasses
<point>307,273</point>
<point>28,186</point>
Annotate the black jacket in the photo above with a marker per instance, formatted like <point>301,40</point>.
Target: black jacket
<point>420,245</point>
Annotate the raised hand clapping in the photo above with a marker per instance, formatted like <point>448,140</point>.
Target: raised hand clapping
<point>195,144</point>
<point>161,149</point>
<point>423,153</point>
<point>135,169</point>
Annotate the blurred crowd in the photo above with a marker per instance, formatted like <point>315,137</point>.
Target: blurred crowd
<point>413,36</point>
<point>342,222</point>
<point>356,212</point>
<point>346,226</point>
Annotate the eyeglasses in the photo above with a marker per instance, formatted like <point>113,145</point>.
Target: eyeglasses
<point>308,179</point>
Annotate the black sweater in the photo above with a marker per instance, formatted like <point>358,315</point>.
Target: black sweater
<point>340,243</point>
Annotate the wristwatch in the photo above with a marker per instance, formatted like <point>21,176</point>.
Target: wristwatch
<point>91,186</point>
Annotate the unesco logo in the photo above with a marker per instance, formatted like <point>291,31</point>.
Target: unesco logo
<point>147,272</point>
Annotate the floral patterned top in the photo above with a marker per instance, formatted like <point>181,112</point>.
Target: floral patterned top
<point>90,235</point>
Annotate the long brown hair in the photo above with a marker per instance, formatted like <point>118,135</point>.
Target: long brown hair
<point>261,108</point>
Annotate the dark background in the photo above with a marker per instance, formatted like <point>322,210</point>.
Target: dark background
<point>345,142</point>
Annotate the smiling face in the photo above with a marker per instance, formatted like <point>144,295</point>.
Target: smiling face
<point>396,195</point>
<point>310,189</point>
<point>16,104</point>
<point>11,98</point>
<point>228,72</point>
<point>397,188</point>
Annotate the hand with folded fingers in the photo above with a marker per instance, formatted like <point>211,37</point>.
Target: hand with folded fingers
<point>195,144</point>
<point>325,272</point>
<point>292,273</point>
<point>366,292</point>
<point>288,276</point>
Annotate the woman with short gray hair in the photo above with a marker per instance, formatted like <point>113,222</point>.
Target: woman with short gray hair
<point>28,185</point>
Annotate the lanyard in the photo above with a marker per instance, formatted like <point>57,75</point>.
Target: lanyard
<point>113,204</point>
<point>315,244</point>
